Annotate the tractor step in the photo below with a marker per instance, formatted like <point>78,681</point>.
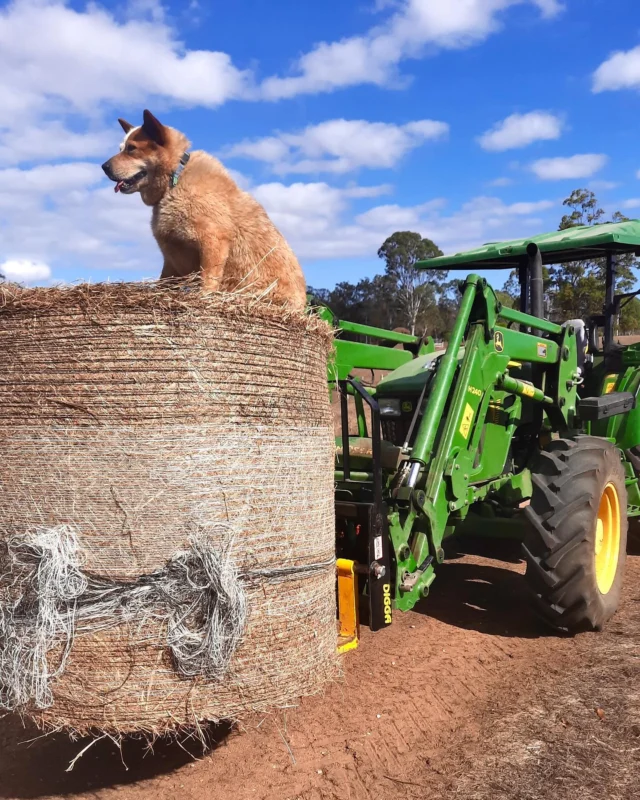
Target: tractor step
<point>348,605</point>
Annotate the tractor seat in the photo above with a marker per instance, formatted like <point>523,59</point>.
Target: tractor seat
<point>361,452</point>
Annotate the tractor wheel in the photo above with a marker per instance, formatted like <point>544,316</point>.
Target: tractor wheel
<point>576,546</point>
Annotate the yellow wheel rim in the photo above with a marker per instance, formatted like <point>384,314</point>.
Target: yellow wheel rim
<point>607,548</point>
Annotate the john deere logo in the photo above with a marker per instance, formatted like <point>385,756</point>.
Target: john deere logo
<point>498,340</point>
<point>407,406</point>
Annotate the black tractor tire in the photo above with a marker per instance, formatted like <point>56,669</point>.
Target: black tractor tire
<point>577,486</point>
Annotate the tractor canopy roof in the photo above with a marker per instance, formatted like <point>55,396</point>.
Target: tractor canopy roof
<point>572,244</point>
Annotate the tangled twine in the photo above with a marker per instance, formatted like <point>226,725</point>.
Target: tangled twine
<point>50,600</point>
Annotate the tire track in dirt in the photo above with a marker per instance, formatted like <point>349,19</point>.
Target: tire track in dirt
<point>410,694</point>
<point>577,733</point>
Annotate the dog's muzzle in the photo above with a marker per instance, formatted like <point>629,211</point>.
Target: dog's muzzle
<point>122,184</point>
<point>107,170</point>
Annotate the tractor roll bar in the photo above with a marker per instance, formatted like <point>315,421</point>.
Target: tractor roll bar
<point>609,302</point>
<point>534,257</point>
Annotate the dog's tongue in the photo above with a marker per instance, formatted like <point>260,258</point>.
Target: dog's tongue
<point>118,186</point>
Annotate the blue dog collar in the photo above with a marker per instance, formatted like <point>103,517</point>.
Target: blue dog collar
<point>173,180</point>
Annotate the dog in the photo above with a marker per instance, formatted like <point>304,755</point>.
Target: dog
<point>201,219</point>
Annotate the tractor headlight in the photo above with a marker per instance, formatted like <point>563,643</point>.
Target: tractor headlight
<point>390,408</point>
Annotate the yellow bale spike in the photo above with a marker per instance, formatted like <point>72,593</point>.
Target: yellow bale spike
<point>347,605</point>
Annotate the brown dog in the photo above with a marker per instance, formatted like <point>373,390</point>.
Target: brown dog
<point>201,219</point>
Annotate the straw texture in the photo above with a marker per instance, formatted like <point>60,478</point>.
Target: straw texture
<point>158,427</point>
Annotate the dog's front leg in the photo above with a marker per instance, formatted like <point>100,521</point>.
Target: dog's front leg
<point>167,271</point>
<point>213,257</point>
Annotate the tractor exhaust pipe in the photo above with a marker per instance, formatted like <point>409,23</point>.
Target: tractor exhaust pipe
<point>535,280</point>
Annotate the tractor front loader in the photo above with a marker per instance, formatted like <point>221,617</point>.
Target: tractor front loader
<point>518,430</point>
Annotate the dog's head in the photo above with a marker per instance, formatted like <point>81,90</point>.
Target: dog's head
<point>144,155</point>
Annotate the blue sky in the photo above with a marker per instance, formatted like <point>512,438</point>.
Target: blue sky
<point>466,120</point>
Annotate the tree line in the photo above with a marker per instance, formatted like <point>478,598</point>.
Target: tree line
<point>425,301</point>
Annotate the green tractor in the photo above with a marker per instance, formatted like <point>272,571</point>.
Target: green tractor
<point>522,428</point>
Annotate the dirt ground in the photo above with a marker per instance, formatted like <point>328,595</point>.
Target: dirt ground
<point>466,697</point>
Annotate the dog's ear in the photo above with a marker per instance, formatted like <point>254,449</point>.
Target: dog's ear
<point>154,129</point>
<point>126,126</point>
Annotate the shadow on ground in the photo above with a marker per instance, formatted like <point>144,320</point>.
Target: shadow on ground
<point>507,550</point>
<point>473,593</point>
<point>34,766</point>
<point>633,542</point>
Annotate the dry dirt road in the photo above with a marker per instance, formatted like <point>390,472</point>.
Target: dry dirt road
<point>468,697</point>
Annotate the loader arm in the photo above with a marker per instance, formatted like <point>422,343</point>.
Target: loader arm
<point>350,355</point>
<point>460,454</point>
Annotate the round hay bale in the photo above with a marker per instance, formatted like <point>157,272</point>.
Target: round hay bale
<point>167,538</point>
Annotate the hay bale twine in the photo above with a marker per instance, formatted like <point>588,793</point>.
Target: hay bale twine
<point>166,507</point>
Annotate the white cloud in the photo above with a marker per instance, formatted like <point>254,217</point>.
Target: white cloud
<point>399,217</point>
<point>520,130</point>
<point>56,59</point>
<point>523,209</point>
<point>603,186</point>
<point>153,9</point>
<point>380,5</point>
<point>53,57</point>
<point>316,220</point>
<point>307,212</point>
<point>549,8</point>
<point>354,192</point>
<point>52,141</point>
<point>485,219</point>
<point>340,145</point>
<point>50,178</point>
<point>573,167</point>
<point>23,271</point>
<point>65,216</point>
<point>633,202</point>
<point>501,182</point>
<point>374,56</point>
<point>270,149</point>
<point>620,71</point>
